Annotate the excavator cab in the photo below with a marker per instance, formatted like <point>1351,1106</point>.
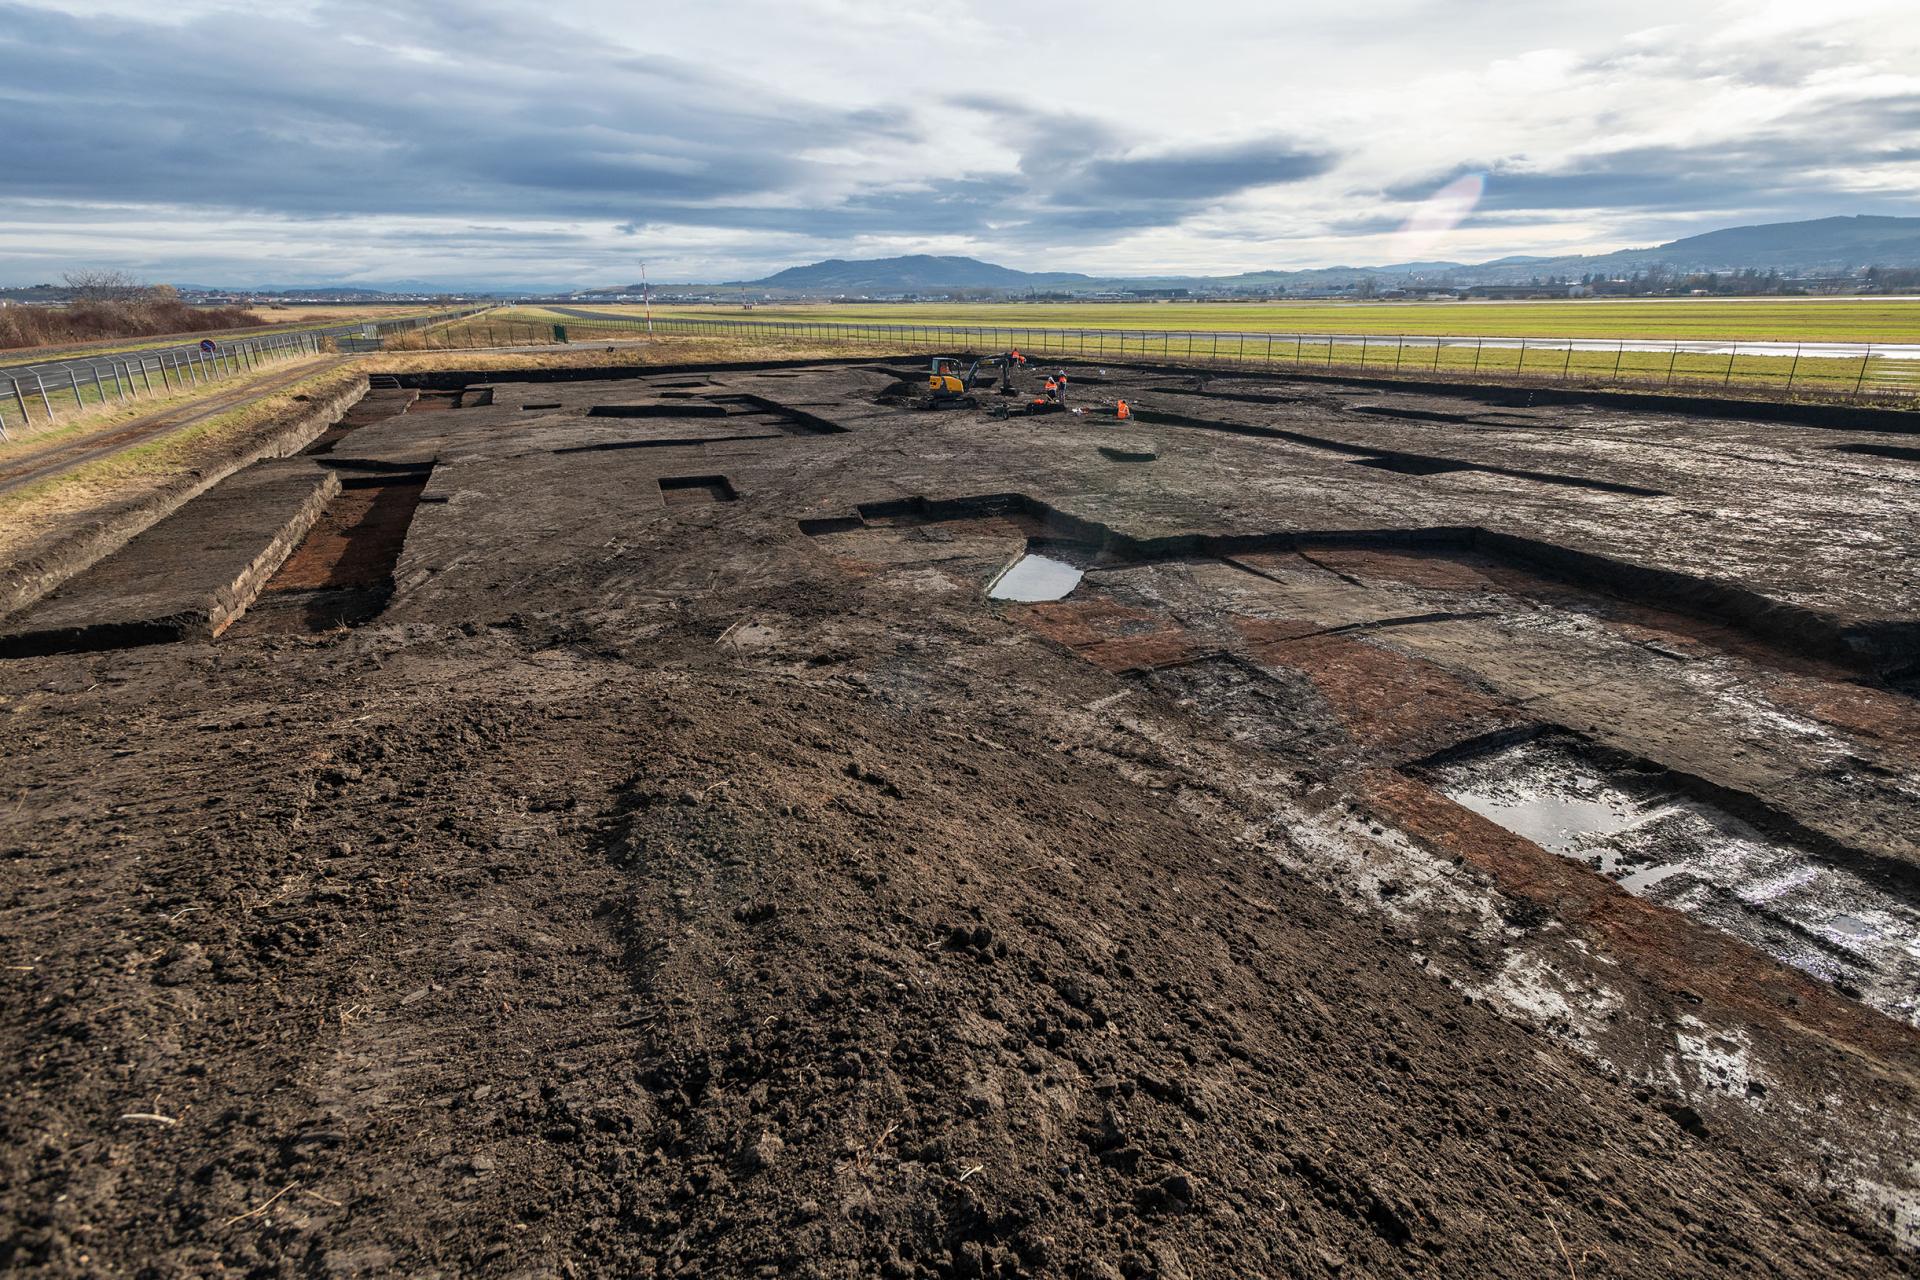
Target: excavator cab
<point>945,382</point>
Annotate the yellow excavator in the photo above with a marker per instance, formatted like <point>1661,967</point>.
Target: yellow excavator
<point>948,387</point>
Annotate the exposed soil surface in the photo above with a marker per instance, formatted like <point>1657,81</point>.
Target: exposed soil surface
<point>679,866</point>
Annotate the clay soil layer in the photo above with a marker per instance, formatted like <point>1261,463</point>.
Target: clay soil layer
<point>680,867</point>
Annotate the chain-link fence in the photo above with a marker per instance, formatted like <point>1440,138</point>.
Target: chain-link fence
<point>1853,372</point>
<point>39,392</point>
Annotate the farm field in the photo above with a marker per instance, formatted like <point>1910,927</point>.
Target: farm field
<point>1641,361</point>
<point>1776,319</point>
<point>295,313</point>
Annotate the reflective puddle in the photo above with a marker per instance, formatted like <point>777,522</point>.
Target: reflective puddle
<point>1637,827</point>
<point>1036,577</point>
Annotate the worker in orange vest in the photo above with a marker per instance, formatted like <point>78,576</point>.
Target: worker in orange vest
<point>1052,388</point>
<point>1060,387</point>
<point>1122,411</point>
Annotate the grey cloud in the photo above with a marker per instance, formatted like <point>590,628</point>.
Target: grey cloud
<point>280,114</point>
<point>271,115</point>
<point>1205,173</point>
<point>1762,173</point>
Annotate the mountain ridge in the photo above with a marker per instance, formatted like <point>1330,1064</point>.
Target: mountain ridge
<point>1834,243</point>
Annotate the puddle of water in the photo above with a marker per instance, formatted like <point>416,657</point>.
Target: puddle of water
<point>1852,926</point>
<point>1036,577</point>
<point>1640,830</point>
<point>1561,821</point>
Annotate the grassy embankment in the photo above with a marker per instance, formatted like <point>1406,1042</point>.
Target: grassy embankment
<point>30,512</point>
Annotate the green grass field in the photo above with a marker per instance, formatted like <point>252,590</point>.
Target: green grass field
<point>1781,319</point>
<point>1388,354</point>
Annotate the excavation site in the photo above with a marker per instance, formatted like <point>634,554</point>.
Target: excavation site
<point>846,819</point>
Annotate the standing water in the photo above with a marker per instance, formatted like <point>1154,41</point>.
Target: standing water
<point>1036,577</point>
<point>1637,827</point>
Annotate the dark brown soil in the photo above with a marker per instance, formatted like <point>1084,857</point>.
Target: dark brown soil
<point>662,891</point>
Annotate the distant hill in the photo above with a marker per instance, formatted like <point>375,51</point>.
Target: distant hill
<point>916,272</point>
<point>1819,245</point>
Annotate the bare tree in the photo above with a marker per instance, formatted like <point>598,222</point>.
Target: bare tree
<point>101,285</point>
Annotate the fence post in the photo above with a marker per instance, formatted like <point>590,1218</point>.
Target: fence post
<point>19,398</point>
<point>74,379</point>
<point>1363,350</point>
<point>1617,357</point>
<point>1399,349</point>
<point>1567,364</point>
<point>1794,367</point>
<point>1478,346</point>
<point>1521,367</point>
<point>1865,360</point>
<point>1672,359</point>
<point>1435,366</point>
<point>45,403</point>
<point>1731,357</point>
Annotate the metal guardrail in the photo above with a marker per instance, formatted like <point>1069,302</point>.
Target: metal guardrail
<point>1869,372</point>
<point>43,390</point>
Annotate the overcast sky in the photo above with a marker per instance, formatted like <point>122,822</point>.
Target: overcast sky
<point>481,141</point>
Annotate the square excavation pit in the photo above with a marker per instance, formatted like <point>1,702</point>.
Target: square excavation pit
<point>687,491</point>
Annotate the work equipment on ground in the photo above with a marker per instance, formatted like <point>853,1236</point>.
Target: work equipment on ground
<point>948,387</point>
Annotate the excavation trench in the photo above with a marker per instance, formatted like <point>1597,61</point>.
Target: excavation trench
<point>341,574</point>
<point>1346,655</point>
<point>1747,874</point>
<point>1414,464</point>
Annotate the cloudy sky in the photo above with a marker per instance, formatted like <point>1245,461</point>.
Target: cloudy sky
<point>214,141</point>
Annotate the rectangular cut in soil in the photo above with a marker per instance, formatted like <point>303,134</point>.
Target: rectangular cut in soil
<point>1639,826</point>
<point>657,411</point>
<point>342,573</point>
<point>1409,465</point>
<point>686,491</point>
